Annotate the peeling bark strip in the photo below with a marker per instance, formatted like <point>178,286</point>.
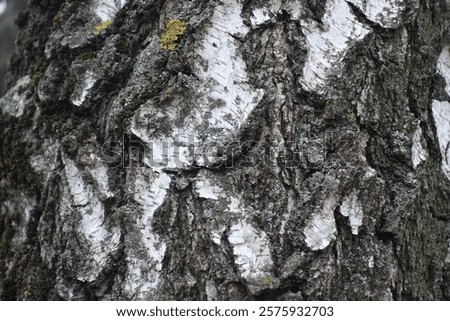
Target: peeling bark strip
<point>283,150</point>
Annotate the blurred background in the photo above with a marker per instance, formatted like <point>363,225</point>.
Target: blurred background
<point>9,9</point>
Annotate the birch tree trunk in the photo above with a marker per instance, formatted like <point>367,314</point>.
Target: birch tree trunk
<point>227,150</point>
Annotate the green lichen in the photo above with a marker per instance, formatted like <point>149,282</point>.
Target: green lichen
<point>168,91</point>
<point>100,27</point>
<point>174,30</point>
<point>351,117</point>
<point>267,280</point>
<point>27,291</point>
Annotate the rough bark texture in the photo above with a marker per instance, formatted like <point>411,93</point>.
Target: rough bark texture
<point>283,150</point>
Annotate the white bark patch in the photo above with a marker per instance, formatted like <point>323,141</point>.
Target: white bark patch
<point>77,187</point>
<point>206,189</point>
<point>216,236</point>
<point>100,175</point>
<point>371,262</point>
<point>234,206</point>
<point>225,99</point>
<point>82,90</point>
<point>225,72</point>
<point>418,153</point>
<point>80,197</point>
<point>207,186</point>
<point>226,102</point>
<point>328,44</point>
<point>441,115</point>
<point>107,9</point>
<point>259,16</point>
<point>352,208</point>
<point>443,67</point>
<point>14,101</point>
<point>143,271</point>
<point>251,255</point>
<point>441,112</point>
<point>386,13</point>
<point>101,242</point>
<point>321,230</point>
<point>153,199</point>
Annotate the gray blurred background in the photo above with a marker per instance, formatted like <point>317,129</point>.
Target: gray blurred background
<point>9,9</point>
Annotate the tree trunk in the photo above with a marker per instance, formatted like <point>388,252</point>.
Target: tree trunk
<point>234,150</point>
